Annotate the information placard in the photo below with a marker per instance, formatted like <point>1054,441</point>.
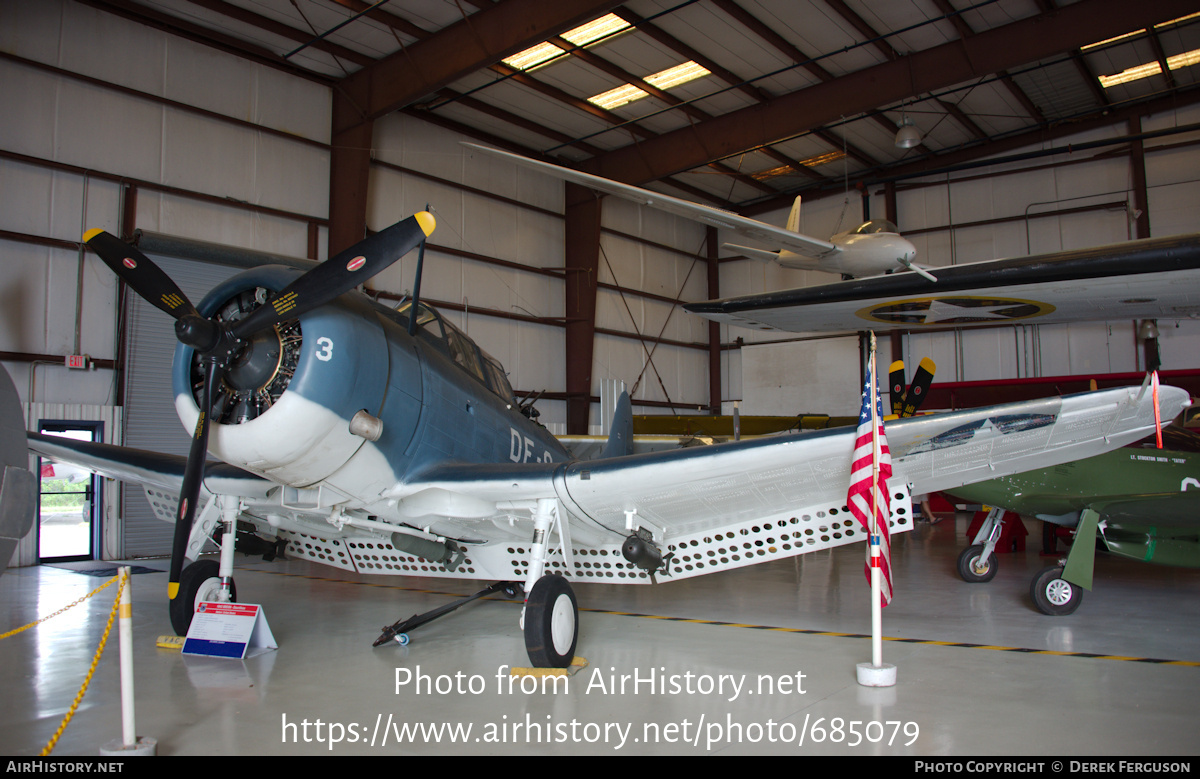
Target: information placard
<point>228,630</point>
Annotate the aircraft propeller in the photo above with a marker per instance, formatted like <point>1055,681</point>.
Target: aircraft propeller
<point>218,345</point>
<point>906,402</point>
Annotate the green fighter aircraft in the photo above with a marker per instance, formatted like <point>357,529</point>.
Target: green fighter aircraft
<point>1141,501</point>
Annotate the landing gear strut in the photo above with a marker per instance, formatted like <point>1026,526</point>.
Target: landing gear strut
<point>550,618</point>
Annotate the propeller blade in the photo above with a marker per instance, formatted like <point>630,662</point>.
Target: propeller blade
<point>193,477</point>
<point>919,387</point>
<point>136,270</point>
<point>339,274</point>
<point>896,381</point>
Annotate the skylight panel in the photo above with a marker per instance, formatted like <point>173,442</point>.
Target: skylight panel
<point>666,79</point>
<point>596,29</point>
<point>580,36</point>
<point>1175,62</point>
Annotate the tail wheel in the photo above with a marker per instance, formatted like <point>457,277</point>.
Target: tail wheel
<point>199,582</point>
<point>551,623</point>
<point>1054,595</point>
<point>972,568</point>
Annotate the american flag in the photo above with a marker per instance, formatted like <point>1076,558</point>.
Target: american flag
<point>862,480</point>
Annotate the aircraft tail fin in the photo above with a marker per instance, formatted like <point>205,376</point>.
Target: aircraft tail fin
<point>793,222</point>
<point>620,436</point>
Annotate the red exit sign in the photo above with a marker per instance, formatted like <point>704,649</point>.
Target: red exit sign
<point>77,361</point>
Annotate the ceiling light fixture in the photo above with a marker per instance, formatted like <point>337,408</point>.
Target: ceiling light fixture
<point>908,135</point>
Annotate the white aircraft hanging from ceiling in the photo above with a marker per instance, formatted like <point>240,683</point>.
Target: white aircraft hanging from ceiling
<point>871,248</point>
<point>1150,279</point>
<point>386,442</point>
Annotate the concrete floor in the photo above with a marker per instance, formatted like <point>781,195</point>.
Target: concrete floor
<point>1013,691</point>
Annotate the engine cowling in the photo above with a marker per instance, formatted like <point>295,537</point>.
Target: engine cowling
<point>283,409</point>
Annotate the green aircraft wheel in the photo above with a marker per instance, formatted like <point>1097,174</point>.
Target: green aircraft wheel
<point>551,623</point>
<point>972,570</point>
<point>200,581</point>
<point>1054,595</point>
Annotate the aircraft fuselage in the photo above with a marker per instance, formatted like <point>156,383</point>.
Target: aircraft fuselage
<point>437,398</point>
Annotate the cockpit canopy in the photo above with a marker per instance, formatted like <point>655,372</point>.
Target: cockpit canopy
<point>433,329</point>
<point>876,226</point>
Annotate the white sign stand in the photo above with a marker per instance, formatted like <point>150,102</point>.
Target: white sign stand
<point>229,630</point>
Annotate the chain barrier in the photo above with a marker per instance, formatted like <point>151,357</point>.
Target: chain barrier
<point>123,577</point>
<point>60,611</point>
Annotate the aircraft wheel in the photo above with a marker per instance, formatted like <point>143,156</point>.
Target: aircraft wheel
<point>198,582</point>
<point>1053,595</point>
<point>972,570</point>
<point>551,623</point>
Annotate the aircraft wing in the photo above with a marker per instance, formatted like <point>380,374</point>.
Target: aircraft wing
<point>777,237</point>
<point>1168,513</point>
<point>778,496</point>
<point>149,469</point>
<point>1157,278</point>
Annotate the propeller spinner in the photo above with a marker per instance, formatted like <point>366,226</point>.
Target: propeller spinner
<point>219,345</point>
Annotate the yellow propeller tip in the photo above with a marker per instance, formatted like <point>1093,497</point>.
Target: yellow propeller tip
<point>897,365</point>
<point>427,222</point>
<point>90,234</point>
<point>172,590</point>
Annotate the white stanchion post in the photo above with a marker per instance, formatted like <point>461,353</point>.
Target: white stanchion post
<point>129,744</point>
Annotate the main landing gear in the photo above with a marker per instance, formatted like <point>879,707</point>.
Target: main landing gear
<point>978,562</point>
<point>1053,594</point>
<point>200,581</point>
<point>551,623</point>
<point>550,617</point>
<point>206,580</point>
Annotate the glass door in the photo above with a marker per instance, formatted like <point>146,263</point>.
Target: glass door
<point>69,500</point>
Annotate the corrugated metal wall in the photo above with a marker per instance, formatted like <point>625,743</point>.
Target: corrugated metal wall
<point>150,419</point>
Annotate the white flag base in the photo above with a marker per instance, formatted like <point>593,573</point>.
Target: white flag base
<point>870,675</point>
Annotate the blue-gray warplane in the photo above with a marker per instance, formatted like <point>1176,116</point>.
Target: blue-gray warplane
<point>385,441</point>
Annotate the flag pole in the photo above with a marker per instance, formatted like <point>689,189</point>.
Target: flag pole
<point>875,674</point>
<point>876,571</point>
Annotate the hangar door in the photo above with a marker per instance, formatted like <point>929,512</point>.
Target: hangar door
<point>150,418</point>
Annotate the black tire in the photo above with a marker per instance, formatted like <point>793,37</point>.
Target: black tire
<point>1053,595</point>
<point>551,623</point>
<point>196,578</point>
<point>969,568</point>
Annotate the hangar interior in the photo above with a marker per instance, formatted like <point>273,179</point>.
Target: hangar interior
<point>284,128</point>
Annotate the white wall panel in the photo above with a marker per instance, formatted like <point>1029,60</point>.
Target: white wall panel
<point>109,47</point>
<point>66,120</point>
<point>802,377</point>
<point>33,96</point>
<point>23,297</point>
<point>113,132</point>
